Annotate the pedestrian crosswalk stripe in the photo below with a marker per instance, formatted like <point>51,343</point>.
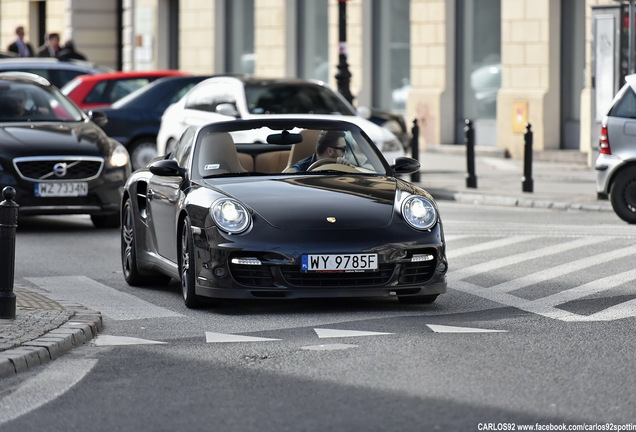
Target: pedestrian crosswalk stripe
<point>525,256</point>
<point>593,287</point>
<point>333,333</point>
<point>563,269</point>
<point>211,337</point>
<point>489,245</point>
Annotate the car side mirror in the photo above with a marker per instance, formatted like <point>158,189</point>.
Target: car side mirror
<point>98,117</point>
<point>166,168</point>
<point>405,165</point>
<point>227,109</point>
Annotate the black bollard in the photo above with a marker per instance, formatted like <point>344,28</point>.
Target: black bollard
<point>415,148</point>
<point>527,184</point>
<point>8,226</point>
<point>469,139</point>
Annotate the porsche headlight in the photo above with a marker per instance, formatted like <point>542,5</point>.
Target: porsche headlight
<point>419,212</point>
<point>230,215</point>
<point>119,157</point>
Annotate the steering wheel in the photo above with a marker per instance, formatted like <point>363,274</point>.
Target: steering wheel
<point>321,162</point>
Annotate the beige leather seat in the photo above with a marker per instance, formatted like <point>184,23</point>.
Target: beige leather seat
<point>218,155</point>
<point>271,162</point>
<point>303,149</point>
<point>247,161</point>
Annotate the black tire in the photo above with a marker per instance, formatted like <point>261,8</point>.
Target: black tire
<point>187,267</point>
<point>105,221</point>
<point>623,195</point>
<point>142,152</point>
<point>425,299</point>
<point>132,275</point>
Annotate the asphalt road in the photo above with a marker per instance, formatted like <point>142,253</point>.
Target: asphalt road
<point>536,329</point>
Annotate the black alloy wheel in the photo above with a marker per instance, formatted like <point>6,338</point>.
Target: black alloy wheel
<point>187,266</point>
<point>128,252</point>
<point>132,275</point>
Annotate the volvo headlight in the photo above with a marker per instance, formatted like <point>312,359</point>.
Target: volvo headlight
<point>391,145</point>
<point>419,212</point>
<point>230,215</point>
<point>119,157</point>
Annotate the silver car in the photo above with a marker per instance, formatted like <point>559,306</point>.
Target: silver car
<point>616,162</point>
<point>57,72</point>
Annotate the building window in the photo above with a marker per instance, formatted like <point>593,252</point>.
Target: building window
<point>313,39</point>
<point>479,65</point>
<point>391,61</point>
<point>239,39</point>
<point>572,70</point>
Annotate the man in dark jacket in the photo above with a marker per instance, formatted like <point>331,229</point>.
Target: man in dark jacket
<point>51,47</point>
<point>20,46</point>
<point>68,52</point>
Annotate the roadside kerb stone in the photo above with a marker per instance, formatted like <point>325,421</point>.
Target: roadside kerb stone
<point>75,332</point>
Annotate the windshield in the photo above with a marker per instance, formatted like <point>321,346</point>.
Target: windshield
<point>21,102</point>
<point>294,98</point>
<point>289,149</point>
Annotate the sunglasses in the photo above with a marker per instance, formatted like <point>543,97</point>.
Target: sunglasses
<point>342,149</point>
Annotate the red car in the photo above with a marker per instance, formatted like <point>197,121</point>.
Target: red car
<point>101,90</point>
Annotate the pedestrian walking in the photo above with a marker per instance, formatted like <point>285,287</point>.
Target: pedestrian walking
<point>51,47</point>
<point>21,47</point>
<point>68,52</point>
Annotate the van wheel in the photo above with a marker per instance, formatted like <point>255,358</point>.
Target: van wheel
<point>623,195</point>
<point>142,152</point>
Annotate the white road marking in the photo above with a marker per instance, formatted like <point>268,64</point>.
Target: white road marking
<point>211,337</point>
<point>333,333</point>
<point>594,287</point>
<point>548,306</point>
<point>106,340</point>
<point>328,347</point>
<point>481,247</point>
<point>622,310</point>
<point>563,269</point>
<point>450,329</point>
<point>529,255</point>
<point>110,302</point>
<point>51,382</point>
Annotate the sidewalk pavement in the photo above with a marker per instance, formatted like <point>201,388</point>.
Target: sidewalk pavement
<point>44,329</point>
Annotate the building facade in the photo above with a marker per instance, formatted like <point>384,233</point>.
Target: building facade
<point>499,63</point>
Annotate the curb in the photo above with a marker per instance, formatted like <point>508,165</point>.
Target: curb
<point>83,325</point>
<point>512,201</point>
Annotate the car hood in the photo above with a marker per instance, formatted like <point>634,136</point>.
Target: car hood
<point>53,138</point>
<point>306,202</point>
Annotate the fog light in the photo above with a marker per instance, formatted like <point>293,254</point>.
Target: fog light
<point>442,267</point>
<point>220,272</point>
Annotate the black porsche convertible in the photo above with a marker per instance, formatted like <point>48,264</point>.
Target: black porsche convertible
<point>231,215</point>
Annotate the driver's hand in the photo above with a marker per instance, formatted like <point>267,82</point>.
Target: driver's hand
<point>342,160</point>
